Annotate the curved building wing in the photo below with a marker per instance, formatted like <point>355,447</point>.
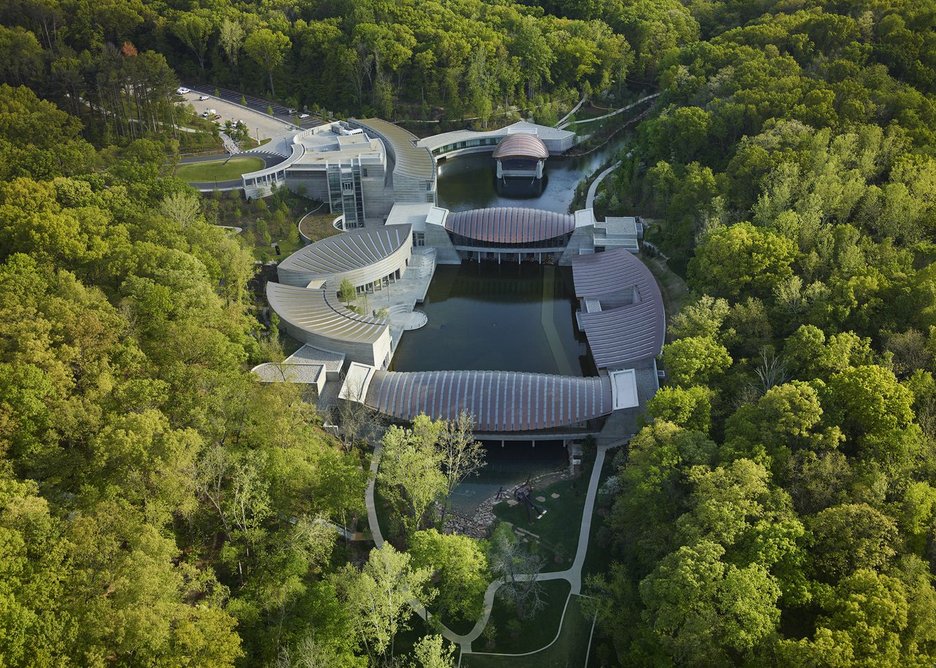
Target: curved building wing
<point>411,160</point>
<point>317,318</point>
<point>623,318</point>
<point>499,401</point>
<point>361,256</point>
<point>521,145</point>
<point>509,225</point>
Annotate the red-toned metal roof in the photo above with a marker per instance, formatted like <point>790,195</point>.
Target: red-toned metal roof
<point>521,145</point>
<point>499,401</point>
<point>621,335</point>
<point>509,225</point>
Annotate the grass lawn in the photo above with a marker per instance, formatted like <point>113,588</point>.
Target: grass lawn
<point>317,226</point>
<point>531,634</point>
<point>558,530</point>
<point>568,651</point>
<point>598,558</point>
<point>218,170</point>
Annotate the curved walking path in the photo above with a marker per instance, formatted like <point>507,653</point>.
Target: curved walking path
<point>562,121</point>
<point>609,115</point>
<point>593,188</point>
<point>573,574</point>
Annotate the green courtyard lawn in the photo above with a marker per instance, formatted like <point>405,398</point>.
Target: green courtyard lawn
<point>567,649</point>
<point>218,170</point>
<point>316,226</point>
<point>556,534</point>
<point>515,636</point>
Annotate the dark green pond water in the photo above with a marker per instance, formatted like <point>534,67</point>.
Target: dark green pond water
<point>506,317</point>
<point>468,182</point>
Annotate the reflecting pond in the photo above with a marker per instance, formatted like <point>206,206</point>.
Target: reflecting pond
<point>508,317</point>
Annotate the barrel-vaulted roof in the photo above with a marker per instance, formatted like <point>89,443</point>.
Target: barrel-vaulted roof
<point>412,161</point>
<point>510,225</point>
<point>342,253</point>
<point>621,335</point>
<point>319,312</point>
<point>521,145</point>
<point>499,401</point>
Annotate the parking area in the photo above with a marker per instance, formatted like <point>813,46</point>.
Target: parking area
<point>261,125</point>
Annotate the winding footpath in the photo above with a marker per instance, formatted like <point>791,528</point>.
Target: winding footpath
<point>573,574</point>
<point>593,188</point>
<point>566,124</point>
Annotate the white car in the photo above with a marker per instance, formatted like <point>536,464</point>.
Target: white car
<point>182,90</point>
<point>202,98</point>
<point>303,116</point>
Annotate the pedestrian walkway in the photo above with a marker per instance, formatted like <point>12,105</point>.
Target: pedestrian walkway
<point>593,188</point>
<point>573,574</point>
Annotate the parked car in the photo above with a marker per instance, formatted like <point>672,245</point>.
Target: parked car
<point>182,90</point>
<point>303,116</point>
<point>202,98</point>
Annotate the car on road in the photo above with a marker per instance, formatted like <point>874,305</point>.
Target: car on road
<point>182,90</point>
<point>202,98</point>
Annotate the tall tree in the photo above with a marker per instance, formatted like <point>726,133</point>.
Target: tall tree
<point>268,49</point>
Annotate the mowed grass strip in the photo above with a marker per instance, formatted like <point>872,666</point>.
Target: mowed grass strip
<point>218,170</point>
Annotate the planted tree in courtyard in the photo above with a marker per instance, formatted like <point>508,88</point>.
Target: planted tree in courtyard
<point>346,292</point>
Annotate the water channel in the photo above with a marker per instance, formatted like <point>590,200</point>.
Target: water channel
<point>508,317</point>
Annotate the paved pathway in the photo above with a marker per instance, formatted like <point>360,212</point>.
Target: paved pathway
<point>562,121</point>
<point>610,114</point>
<point>593,188</point>
<point>573,574</point>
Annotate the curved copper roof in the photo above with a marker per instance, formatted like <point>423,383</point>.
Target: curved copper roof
<point>622,334</point>
<point>509,225</point>
<point>521,145</point>
<point>498,401</point>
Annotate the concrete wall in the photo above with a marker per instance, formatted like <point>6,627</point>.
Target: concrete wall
<point>376,354</point>
<point>437,237</point>
<point>583,238</point>
<point>311,184</point>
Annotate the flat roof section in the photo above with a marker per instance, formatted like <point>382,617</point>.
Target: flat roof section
<point>499,401</point>
<point>285,372</point>
<point>543,132</point>
<point>332,362</point>
<point>356,382</point>
<point>624,389</point>
<point>509,225</point>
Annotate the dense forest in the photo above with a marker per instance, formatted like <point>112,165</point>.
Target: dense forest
<point>160,507</point>
<point>779,507</point>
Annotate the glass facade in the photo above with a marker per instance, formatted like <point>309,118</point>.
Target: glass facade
<point>345,193</point>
